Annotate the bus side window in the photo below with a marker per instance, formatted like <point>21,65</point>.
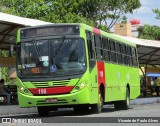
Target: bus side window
<point>136,62</point>
<point>119,53</point>
<point>134,57</point>
<point>128,55</point>
<point>106,49</point>
<point>125,55</point>
<point>113,53</point>
<point>98,47</point>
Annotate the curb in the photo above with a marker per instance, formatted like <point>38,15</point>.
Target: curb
<point>142,101</point>
<point>15,109</point>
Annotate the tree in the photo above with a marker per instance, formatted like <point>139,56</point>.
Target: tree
<point>56,11</point>
<point>4,70</point>
<point>87,11</point>
<point>149,32</point>
<point>157,12</point>
<point>108,10</point>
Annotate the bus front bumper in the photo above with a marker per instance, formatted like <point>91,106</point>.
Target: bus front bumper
<point>79,97</point>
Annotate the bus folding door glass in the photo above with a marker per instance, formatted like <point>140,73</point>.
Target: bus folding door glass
<point>90,47</point>
<point>91,50</point>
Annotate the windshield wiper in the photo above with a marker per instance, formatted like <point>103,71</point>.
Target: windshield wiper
<point>62,41</point>
<point>37,50</point>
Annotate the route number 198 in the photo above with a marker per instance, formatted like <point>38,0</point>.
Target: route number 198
<point>42,91</point>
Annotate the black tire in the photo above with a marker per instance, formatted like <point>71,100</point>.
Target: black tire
<point>126,103</point>
<point>43,111</point>
<point>123,105</point>
<point>97,108</point>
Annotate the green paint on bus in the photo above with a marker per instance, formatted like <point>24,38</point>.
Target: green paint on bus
<point>80,78</point>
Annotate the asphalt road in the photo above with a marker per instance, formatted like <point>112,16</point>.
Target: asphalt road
<point>140,113</point>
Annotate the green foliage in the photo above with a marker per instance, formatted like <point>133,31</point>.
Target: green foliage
<point>157,12</point>
<point>149,32</point>
<point>124,20</point>
<point>4,70</point>
<point>72,11</point>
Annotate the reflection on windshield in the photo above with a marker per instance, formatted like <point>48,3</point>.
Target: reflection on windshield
<point>32,61</point>
<point>69,59</point>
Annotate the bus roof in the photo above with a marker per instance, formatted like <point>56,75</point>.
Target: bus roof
<point>109,35</point>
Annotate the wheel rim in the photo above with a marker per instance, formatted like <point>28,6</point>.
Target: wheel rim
<point>100,102</point>
<point>128,101</point>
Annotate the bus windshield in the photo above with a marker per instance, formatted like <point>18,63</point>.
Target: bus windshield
<point>53,57</point>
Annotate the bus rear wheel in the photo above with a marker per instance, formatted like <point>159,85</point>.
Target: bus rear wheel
<point>97,108</point>
<point>123,105</point>
<point>43,111</point>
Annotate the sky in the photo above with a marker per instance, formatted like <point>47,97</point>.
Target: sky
<point>145,14</point>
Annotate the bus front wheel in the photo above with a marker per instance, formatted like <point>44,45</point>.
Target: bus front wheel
<point>97,108</point>
<point>43,111</point>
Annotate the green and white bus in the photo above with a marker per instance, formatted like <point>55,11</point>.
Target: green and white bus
<point>75,65</point>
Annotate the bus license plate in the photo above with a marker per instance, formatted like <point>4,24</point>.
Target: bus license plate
<point>51,100</point>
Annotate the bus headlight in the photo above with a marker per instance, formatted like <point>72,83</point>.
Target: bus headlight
<point>79,86</point>
<point>83,85</point>
<point>23,90</point>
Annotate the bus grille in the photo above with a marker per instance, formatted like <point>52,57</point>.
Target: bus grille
<point>51,84</point>
<point>61,101</point>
